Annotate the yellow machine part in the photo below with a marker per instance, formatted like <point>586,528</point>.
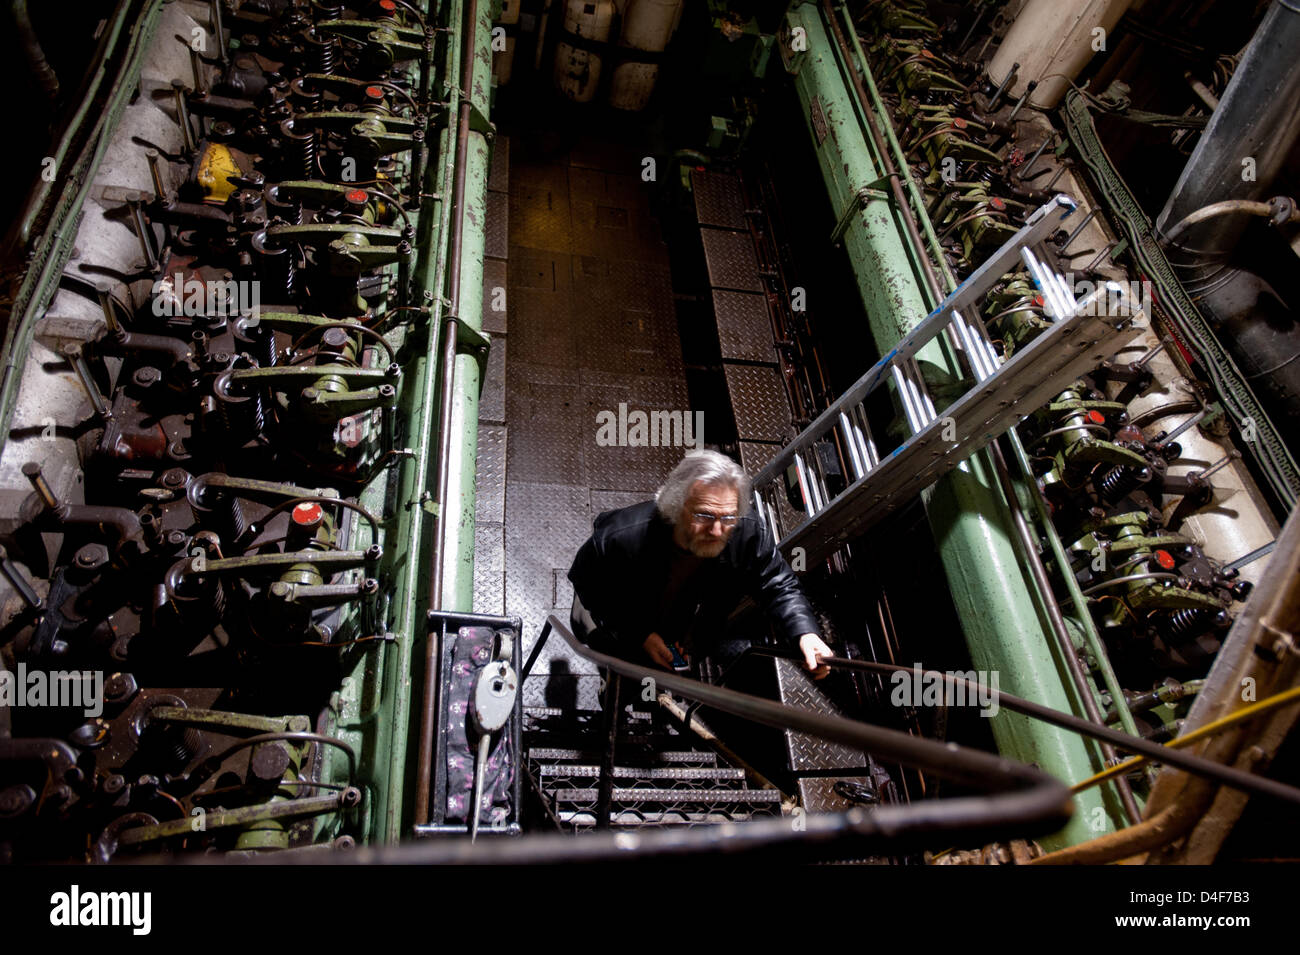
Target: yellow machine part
<point>215,166</point>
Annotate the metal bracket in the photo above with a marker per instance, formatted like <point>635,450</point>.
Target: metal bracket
<point>864,195</point>
<point>471,339</point>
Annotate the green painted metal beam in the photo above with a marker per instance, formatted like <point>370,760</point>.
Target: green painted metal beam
<point>1003,617</point>
<point>457,529</point>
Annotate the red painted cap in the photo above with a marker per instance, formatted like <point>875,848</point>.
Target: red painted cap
<point>1165,559</point>
<point>959,123</point>
<point>388,5</point>
<point>307,514</point>
<point>374,92</point>
<point>997,204</point>
<point>356,195</point>
<point>1096,417</point>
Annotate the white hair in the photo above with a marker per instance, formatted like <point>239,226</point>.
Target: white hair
<point>702,467</point>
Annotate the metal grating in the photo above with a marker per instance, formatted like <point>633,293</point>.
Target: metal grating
<point>759,402</point>
<point>719,200</point>
<point>744,326</point>
<point>731,260</point>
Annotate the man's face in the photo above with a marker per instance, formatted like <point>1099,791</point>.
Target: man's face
<point>704,537</point>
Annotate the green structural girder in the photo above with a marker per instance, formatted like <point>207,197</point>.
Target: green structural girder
<point>400,682</point>
<point>1002,613</point>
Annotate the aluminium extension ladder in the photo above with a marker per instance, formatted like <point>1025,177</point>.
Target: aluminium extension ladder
<point>1082,335</point>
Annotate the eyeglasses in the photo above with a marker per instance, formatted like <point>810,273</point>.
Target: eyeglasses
<point>701,517</point>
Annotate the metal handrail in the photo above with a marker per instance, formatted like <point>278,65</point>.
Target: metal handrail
<point>960,764</point>
<point>1026,802</point>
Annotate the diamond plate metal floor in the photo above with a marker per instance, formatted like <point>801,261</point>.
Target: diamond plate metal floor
<point>591,322</point>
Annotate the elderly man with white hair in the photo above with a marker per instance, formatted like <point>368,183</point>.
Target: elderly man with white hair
<point>655,576</point>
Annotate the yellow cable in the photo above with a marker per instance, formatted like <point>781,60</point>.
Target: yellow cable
<point>1209,729</point>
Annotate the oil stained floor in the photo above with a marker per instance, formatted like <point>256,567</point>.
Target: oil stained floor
<point>588,324</point>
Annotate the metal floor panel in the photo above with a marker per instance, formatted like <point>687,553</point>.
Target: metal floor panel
<point>530,267</point>
<point>539,206</point>
<point>490,482</point>
<point>499,170</point>
<point>494,277</point>
<point>541,328</point>
<point>492,400</point>
<point>635,469</point>
<point>550,521</point>
<point>652,391</point>
<point>613,500</point>
<point>545,442</point>
<point>603,282</point>
<point>489,569</point>
<point>637,341</point>
<point>759,402</point>
<point>561,691</point>
<point>731,260</point>
<point>719,200</point>
<point>592,323</point>
<point>592,153</point>
<point>628,467</point>
<point>808,753</point>
<point>744,326</point>
<point>496,229</point>
<point>817,793</point>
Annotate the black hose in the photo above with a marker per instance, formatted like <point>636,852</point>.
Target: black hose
<point>46,78</point>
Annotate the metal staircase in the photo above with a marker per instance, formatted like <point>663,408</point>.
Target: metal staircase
<point>832,482</point>
<point>828,485</point>
<point>659,779</point>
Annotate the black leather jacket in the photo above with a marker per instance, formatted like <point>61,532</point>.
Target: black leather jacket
<point>621,571</point>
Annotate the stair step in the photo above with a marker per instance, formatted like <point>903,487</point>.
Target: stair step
<point>636,819</point>
<point>672,797</point>
<point>539,754</point>
<point>693,774</point>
